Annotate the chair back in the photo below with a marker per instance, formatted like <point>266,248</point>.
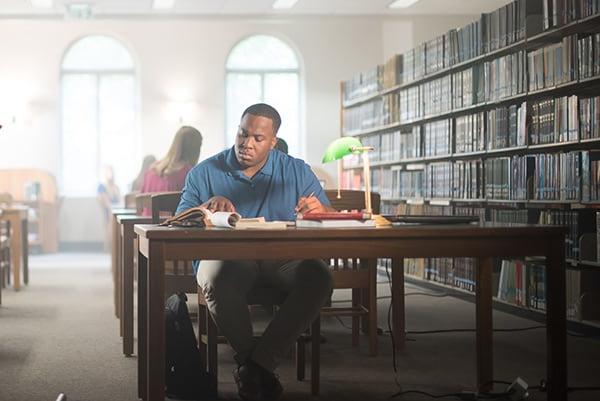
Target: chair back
<point>163,205</point>
<point>179,273</point>
<point>5,198</point>
<point>142,202</point>
<point>351,199</point>
<point>130,199</point>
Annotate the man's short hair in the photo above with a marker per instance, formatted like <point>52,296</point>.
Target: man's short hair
<point>264,110</point>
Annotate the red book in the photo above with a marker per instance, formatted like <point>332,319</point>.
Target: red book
<point>334,216</point>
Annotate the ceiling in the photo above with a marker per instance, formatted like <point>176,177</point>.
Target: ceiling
<point>143,8</point>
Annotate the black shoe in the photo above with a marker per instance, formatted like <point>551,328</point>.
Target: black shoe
<point>271,386</point>
<point>248,379</point>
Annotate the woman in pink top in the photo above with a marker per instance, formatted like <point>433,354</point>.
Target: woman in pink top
<point>168,174</point>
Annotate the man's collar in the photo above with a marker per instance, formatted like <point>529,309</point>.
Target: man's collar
<point>236,169</point>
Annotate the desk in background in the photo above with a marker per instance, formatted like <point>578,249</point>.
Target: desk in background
<point>16,215</point>
<point>158,244</point>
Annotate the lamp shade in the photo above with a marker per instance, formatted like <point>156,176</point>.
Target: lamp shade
<point>340,147</point>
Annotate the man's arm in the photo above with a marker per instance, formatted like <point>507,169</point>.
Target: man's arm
<point>314,198</point>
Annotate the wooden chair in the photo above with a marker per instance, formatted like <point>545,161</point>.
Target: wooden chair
<point>179,274</point>
<point>130,199</point>
<point>4,255</point>
<point>360,275</point>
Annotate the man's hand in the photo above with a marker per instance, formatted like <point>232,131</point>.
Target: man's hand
<point>310,204</point>
<point>219,204</point>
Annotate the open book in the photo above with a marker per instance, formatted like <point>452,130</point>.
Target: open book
<point>201,217</point>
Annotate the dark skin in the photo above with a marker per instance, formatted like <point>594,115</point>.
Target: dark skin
<point>255,138</point>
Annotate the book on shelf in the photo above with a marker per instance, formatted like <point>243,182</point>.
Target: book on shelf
<point>363,84</point>
<point>589,117</point>
<point>201,217</point>
<point>590,176</point>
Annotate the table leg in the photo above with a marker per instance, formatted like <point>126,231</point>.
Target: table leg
<point>372,266</point>
<point>127,291</point>
<point>142,326</point>
<point>556,323</point>
<point>398,318</point>
<point>156,323</point>
<point>115,236</point>
<point>484,324</point>
<point>16,240</point>
<point>118,276</point>
<point>25,242</point>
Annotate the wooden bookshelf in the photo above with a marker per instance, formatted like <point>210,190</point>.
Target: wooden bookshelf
<point>387,173</point>
<point>43,215</point>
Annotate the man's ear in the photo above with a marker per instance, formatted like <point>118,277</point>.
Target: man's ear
<point>274,143</point>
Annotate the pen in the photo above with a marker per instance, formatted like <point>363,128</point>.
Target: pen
<point>311,194</point>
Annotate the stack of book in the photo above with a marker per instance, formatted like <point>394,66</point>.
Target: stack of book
<point>589,118</point>
<point>335,220</point>
<point>363,84</point>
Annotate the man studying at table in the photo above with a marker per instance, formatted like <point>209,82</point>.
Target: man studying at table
<point>254,180</point>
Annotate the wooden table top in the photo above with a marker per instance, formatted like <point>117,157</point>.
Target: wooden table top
<point>153,231</point>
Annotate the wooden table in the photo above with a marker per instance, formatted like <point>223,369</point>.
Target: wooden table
<point>115,253</point>
<point>16,215</point>
<point>157,244</point>
<point>127,236</point>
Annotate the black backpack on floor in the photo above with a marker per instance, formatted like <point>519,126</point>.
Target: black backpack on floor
<point>185,377</point>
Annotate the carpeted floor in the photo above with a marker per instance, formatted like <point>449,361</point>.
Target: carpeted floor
<point>59,334</point>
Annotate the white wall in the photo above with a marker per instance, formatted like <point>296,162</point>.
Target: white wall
<point>179,60</point>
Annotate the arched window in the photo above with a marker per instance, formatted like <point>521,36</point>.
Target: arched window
<point>265,69</point>
<point>98,118</point>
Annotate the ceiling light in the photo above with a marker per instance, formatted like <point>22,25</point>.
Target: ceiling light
<point>163,4</point>
<point>41,3</point>
<point>79,11</point>
<point>281,4</point>
<point>402,3</point>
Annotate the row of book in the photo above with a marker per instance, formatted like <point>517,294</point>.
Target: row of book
<point>560,12</point>
<point>556,176</point>
<point>522,283</point>
<point>590,176</point>
<point>506,127</point>
<point>492,31</point>
<point>376,113</point>
<point>506,178</point>
<point>553,65</point>
<point>363,84</point>
<point>437,138</point>
<point>554,120</point>
<point>569,176</point>
<point>589,118</point>
<point>470,133</point>
<point>588,55</point>
<point>568,219</point>
<point>467,180</point>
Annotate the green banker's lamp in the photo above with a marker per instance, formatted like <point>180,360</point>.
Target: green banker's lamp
<point>347,146</point>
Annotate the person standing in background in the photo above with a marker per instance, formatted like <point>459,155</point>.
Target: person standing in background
<point>136,185</point>
<point>168,174</point>
<point>109,195</point>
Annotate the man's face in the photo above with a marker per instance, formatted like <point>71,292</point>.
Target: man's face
<point>254,140</point>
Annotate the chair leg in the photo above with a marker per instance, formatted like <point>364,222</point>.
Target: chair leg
<point>315,366</point>
<point>372,299</point>
<point>202,316</point>
<point>212,340</point>
<point>356,302</point>
<point>300,358</point>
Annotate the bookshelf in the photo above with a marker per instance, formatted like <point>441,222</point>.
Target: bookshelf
<point>36,189</point>
<point>499,119</point>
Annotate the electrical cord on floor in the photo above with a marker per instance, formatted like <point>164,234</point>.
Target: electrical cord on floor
<point>464,395</point>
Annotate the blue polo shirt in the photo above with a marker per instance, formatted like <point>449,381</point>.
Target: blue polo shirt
<point>272,193</point>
